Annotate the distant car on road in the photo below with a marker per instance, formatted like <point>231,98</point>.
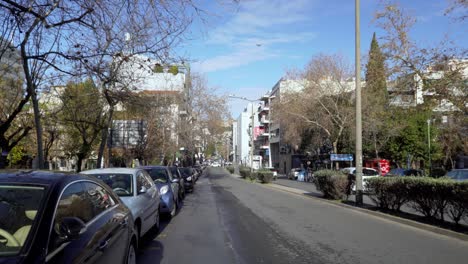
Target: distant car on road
<point>168,188</point>
<point>294,173</point>
<point>137,191</point>
<point>62,218</point>
<point>367,173</point>
<point>404,172</point>
<point>458,174</point>
<point>215,164</point>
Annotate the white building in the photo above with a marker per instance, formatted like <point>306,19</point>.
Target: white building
<point>242,147</point>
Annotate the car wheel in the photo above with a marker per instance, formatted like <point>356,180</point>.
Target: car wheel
<point>131,254</point>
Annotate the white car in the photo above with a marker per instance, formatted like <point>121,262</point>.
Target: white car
<point>215,164</point>
<point>367,173</point>
<point>137,191</point>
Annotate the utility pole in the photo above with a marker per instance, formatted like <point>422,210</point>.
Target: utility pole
<point>358,105</point>
<point>269,133</point>
<point>252,138</point>
<point>429,144</point>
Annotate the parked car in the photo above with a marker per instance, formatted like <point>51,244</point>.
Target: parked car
<point>215,164</point>
<point>177,175</point>
<point>137,190</point>
<point>199,171</point>
<point>294,173</point>
<point>189,175</point>
<point>62,218</point>
<point>458,174</point>
<point>367,173</point>
<point>404,172</point>
<point>168,188</point>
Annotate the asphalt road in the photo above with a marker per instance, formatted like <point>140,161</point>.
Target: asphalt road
<point>229,220</point>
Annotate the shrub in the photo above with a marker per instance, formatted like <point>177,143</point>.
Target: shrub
<point>389,193</point>
<point>333,184</point>
<point>264,176</point>
<point>434,198</point>
<point>230,169</point>
<point>458,204</point>
<point>244,172</point>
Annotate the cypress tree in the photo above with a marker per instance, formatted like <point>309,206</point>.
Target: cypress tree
<point>376,84</point>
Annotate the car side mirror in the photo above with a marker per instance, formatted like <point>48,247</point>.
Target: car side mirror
<point>175,180</point>
<point>143,189</point>
<point>71,228</point>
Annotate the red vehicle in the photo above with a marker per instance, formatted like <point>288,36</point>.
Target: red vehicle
<point>381,165</point>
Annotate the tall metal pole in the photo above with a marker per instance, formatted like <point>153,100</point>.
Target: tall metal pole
<point>269,133</point>
<point>429,144</point>
<point>252,139</point>
<point>358,105</point>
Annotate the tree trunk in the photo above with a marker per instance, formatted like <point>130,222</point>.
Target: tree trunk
<point>375,146</point>
<point>37,123</point>
<point>79,162</point>
<point>3,161</point>
<point>335,150</point>
<point>105,132</point>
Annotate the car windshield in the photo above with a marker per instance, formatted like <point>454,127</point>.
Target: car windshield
<point>120,183</point>
<point>159,175</point>
<point>174,172</point>
<point>369,172</point>
<point>18,209</point>
<point>186,172</point>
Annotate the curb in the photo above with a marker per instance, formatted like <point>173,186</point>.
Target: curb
<point>423,226</point>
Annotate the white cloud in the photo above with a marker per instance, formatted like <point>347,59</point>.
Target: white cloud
<point>255,31</point>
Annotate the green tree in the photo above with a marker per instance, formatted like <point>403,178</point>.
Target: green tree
<point>412,140</point>
<point>83,119</point>
<point>375,103</point>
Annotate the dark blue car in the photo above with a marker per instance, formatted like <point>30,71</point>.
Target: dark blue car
<point>168,188</point>
<point>62,218</point>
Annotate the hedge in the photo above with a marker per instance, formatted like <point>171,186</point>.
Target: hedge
<point>264,176</point>
<point>333,184</point>
<point>434,198</point>
<point>230,169</point>
<point>244,172</point>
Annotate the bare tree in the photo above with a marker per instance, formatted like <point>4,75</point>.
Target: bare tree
<point>324,103</point>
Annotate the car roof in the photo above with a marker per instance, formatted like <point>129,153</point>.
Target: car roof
<point>113,170</point>
<point>42,177</point>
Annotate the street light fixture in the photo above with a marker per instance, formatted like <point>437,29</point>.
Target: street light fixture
<point>252,124</point>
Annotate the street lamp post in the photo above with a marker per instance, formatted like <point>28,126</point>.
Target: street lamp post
<point>252,125</point>
<point>358,106</point>
<point>429,144</point>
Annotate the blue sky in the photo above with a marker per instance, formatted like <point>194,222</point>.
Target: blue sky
<point>247,48</point>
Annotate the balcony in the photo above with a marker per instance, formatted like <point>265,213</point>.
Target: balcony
<point>265,147</point>
<point>263,108</point>
<point>265,120</point>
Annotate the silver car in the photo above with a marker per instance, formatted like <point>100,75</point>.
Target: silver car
<point>138,192</point>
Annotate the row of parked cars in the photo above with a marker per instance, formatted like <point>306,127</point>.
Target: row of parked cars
<point>97,216</point>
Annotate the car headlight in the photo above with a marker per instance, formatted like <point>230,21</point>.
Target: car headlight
<point>164,190</point>
<point>189,178</point>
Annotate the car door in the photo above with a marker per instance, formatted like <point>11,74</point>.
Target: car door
<point>146,201</point>
<point>73,203</point>
<point>111,220</point>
